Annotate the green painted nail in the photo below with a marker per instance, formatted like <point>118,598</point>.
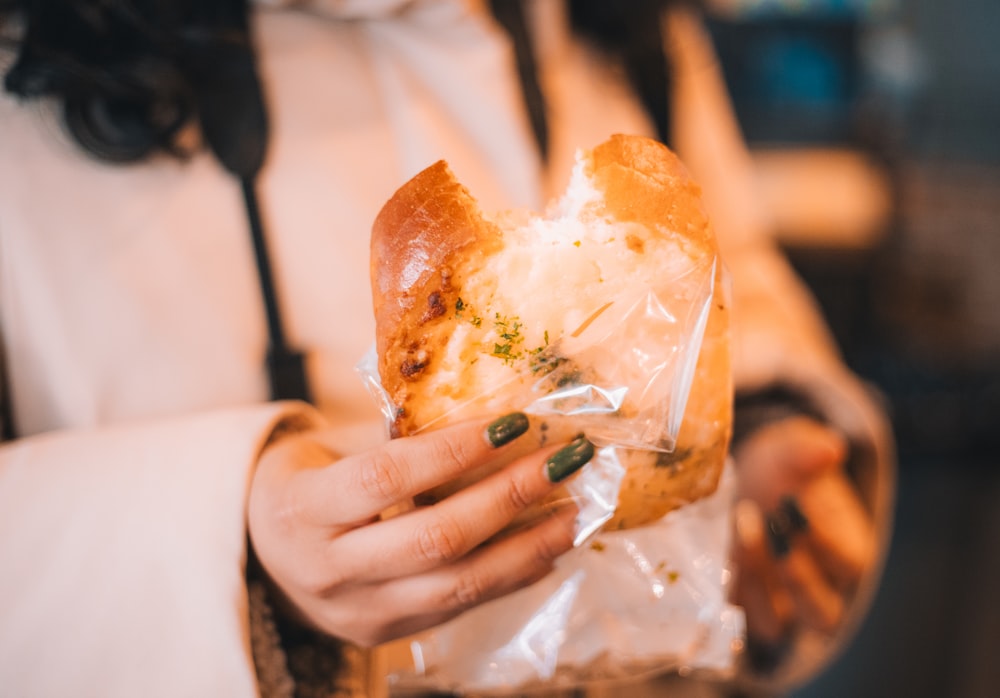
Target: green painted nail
<point>569,459</point>
<point>506,429</point>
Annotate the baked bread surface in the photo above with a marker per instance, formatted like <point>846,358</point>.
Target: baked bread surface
<point>480,315</point>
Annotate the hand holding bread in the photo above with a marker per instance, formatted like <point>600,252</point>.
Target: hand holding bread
<point>338,566</point>
<point>606,321</point>
<point>608,317</point>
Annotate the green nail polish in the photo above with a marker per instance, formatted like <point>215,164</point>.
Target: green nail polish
<point>506,429</point>
<point>569,459</point>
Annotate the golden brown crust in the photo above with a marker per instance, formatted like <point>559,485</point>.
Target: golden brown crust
<point>427,222</point>
<point>643,181</point>
<point>657,483</point>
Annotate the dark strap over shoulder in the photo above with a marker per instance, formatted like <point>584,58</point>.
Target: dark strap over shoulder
<point>285,367</point>
<point>8,430</point>
<point>632,32</point>
<point>511,16</point>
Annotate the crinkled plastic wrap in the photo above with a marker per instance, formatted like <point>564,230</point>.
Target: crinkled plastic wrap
<point>647,598</point>
<point>621,605</point>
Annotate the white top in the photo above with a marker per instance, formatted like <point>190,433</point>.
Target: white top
<point>131,292</point>
<point>134,332</point>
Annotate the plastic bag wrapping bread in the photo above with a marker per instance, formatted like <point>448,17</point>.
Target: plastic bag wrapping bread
<point>608,315</point>
<point>623,606</point>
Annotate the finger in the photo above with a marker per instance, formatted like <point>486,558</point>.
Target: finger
<point>768,609</point>
<point>494,570</point>
<point>767,605</point>
<point>840,532</point>
<point>815,448</point>
<point>818,603</point>
<point>433,536</point>
<point>783,456</point>
<point>358,488</point>
<point>369,615</point>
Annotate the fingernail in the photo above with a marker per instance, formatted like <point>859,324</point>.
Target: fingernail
<point>797,521</point>
<point>569,459</point>
<point>777,536</point>
<point>506,429</point>
<point>783,523</point>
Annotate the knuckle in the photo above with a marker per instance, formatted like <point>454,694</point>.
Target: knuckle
<point>548,547</point>
<point>468,589</point>
<point>454,450</point>
<point>321,572</point>
<point>351,622</point>
<point>438,542</point>
<point>381,478</point>
<point>518,494</point>
<point>311,584</point>
<point>316,581</point>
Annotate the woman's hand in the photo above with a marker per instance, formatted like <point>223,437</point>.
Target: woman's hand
<point>316,528</point>
<point>803,538</point>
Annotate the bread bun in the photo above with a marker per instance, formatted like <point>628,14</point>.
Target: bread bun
<point>608,294</point>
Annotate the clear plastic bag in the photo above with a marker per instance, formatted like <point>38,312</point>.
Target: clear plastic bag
<point>623,375</point>
<point>645,599</point>
<point>622,605</point>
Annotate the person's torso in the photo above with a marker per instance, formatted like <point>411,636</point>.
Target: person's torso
<point>130,291</point>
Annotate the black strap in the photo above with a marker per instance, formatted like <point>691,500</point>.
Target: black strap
<point>647,64</point>
<point>510,15</point>
<point>234,121</point>
<point>285,367</point>
<point>8,430</point>
<point>633,32</point>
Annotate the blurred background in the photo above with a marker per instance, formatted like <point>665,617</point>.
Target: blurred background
<point>879,123</point>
